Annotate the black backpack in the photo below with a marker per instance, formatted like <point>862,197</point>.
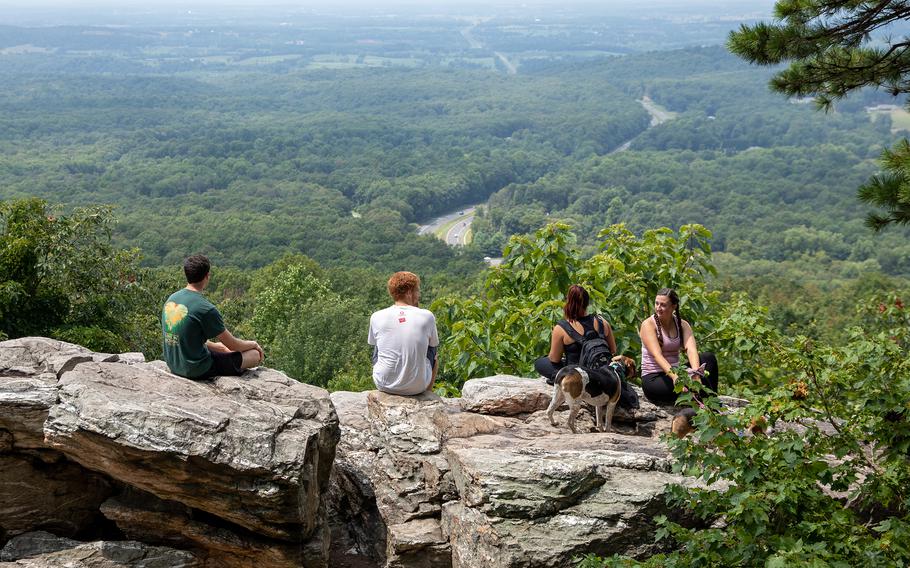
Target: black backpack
<point>595,351</point>
<point>596,356</point>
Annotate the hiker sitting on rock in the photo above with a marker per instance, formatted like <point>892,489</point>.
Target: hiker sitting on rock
<point>189,321</point>
<point>404,340</point>
<point>568,334</point>
<point>663,336</point>
<point>566,348</point>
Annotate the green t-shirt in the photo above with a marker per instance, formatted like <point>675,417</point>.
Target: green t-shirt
<point>187,321</point>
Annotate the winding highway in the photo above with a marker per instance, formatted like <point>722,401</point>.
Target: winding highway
<point>453,227</point>
<point>658,116</point>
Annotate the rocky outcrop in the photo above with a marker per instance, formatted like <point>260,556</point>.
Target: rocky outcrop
<point>121,463</point>
<point>235,469</point>
<point>485,480</point>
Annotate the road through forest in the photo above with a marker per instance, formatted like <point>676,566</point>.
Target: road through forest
<point>458,222</point>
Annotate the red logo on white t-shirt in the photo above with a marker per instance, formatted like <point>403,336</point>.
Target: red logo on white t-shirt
<point>401,320</point>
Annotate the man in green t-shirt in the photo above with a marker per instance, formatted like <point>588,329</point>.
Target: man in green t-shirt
<point>189,323</point>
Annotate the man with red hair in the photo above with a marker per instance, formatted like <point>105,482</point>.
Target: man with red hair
<point>404,340</point>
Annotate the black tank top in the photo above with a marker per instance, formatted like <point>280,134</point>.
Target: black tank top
<point>573,350</point>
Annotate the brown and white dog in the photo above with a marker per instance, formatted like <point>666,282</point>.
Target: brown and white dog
<point>682,424</point>
<point>572,384</point>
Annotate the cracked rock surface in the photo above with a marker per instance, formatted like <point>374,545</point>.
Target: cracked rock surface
<point>238,467</point>
<point>485,480</point>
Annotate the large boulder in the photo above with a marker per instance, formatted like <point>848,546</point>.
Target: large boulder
<point>235,469</point>
<point>253,450</point>
<point>542,501</point>
<point>486,480</point>
<point>505,395</point>
<point>29,368</point>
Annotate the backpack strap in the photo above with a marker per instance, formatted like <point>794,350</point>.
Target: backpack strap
<point>603,325</point>
<point>577,337</point>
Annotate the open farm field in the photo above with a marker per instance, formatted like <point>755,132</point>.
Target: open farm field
<point>900,117</point>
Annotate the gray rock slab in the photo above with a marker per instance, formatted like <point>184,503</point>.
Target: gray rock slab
<point>29,368</point>
<point>30,356</point>
<point>608,527</point>
<point>408,423</point>
<point>354,421</point>
<point>255,450</point>
<point>505,477</point>
<point>25,401</point>
<point>421,424</point>
<point>505,395</point>
<point>44,550</point>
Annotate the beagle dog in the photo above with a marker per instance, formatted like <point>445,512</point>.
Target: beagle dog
<point>574,384</point>
<point>681,425</point>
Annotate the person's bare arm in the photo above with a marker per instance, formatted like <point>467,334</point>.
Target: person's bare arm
<point>648,334</point>
<point>557,347</point>
<point>236,344</point>
<point>611,339</point>
<point>217,347</point>
<point>690,346</point>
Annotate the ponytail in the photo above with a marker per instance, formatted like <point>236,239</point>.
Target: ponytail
<point>577,299</point>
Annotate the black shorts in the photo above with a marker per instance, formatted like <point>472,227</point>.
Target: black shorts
<point>224,364</point>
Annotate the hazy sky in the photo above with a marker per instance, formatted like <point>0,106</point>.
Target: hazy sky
<point>372,5</point>
<point>129,12</point>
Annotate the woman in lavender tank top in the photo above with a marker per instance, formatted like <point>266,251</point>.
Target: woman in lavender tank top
<point>663,335</point>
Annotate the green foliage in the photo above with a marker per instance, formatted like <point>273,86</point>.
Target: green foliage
<point>307,330</point>
<point>60,276</point>
<point>833,50</point>
<point>499,332</point>
<point>811,296</point>
<point>506,328</point>
<point>777,204</point>
<point>248,166</point>
<point>891,190</point>
<point>830,56</point>
<point>830,486</point>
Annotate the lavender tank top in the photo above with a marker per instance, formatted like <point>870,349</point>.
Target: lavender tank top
<point>670,350</point>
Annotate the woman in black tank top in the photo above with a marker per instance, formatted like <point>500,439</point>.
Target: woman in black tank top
<point>565,346</point>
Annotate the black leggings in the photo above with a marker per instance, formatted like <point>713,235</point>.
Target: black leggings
<point>658,387</point>
<point>547,368</point>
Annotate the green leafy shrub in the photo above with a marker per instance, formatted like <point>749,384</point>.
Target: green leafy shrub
<point>60,276</point>
<point>509,325</point>
<point>307,330</point>
<point>93,338</point>
<point>830,486</point>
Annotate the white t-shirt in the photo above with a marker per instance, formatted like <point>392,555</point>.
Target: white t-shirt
<point>401,335</point>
